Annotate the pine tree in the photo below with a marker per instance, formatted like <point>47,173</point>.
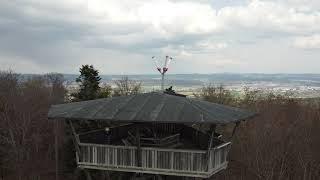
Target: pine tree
<point>89,80</point>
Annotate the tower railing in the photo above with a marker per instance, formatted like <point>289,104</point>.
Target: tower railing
<point>179,162</point>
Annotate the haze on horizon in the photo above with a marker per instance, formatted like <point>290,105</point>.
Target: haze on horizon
<point>120,37</point>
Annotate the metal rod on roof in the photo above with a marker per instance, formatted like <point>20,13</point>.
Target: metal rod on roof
<point>163,70</point>
<point>162,81</point>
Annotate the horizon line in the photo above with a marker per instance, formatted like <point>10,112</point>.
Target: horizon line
<point>177,73</point>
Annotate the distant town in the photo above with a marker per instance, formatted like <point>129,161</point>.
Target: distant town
<point>297,85</point>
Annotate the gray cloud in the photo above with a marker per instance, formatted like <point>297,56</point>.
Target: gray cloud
<point>204,37</point>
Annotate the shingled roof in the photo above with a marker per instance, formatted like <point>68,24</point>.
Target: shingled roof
<point>150,107</point>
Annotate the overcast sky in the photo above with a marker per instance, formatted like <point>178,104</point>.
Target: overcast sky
<point>121,36</point>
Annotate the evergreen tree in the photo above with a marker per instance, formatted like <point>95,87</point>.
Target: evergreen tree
<point>89,80</point>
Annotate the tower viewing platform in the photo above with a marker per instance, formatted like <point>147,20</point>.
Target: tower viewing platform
<point>152,133</point>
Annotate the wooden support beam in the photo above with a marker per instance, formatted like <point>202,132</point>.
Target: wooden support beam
<point>158,177</point>
<point>138,146</point>
<point>87,173</point>
<point>234,128</point>
<point>75,139</point>
<point>212,130</point>
<point>56,125</point>
<point>73,130</point>
<point>107,175</point>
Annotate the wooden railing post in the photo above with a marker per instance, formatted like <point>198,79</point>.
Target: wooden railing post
<point>138,146</point>
<point>172,159</point>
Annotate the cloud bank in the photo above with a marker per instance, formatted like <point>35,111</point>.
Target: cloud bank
<point>120,37</point>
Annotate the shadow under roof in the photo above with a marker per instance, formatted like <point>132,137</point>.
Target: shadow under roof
<point>150,107</point>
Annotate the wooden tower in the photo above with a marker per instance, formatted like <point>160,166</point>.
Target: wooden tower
<point>149,135</point>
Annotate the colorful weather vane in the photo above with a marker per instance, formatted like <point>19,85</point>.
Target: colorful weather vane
<point>162,69</point>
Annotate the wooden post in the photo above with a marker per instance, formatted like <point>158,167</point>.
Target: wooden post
<point>88,176</point>
<point>56,147</point>
<point>75,139</point>
<point>212,129</point>
<point>234,129</point>
<point>158,177</point>
<point>171,159</point>
<point>107,175</point>
<point>138,145</point>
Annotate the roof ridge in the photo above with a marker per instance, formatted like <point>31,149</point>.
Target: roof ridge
<point>101,107</point>
<point>156,111</point>
<point>129,98</point>
<point>199,108</point>
<point>141,107</point>
<point>222,107</point>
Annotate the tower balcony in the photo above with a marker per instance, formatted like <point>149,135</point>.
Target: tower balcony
<point>154,160</point>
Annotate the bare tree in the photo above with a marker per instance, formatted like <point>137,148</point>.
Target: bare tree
<point>125,87</point>
<point>280,143</point>
<point>216,94</point>
<point>26,136</point>
<point>105,91</point>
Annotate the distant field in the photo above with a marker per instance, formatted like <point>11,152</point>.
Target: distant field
<point>301,85</point>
